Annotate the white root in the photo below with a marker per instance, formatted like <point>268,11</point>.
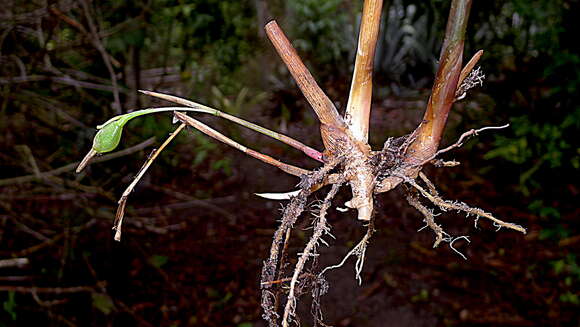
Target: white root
<point>278,196</point>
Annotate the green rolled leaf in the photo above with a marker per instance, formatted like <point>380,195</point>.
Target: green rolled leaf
<point>109,136</point>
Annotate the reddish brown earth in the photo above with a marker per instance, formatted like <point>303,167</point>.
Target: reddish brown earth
<point>194,257</point>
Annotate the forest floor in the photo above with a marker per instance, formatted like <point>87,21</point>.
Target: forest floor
<point>194,242</point>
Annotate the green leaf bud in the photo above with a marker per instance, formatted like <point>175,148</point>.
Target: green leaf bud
<point>109,136</point>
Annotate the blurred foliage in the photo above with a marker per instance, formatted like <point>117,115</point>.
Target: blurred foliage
<point>200,36</point>
<point>158,261</point>
<point>103,303</point>
<point>410,39</point>
<point>535,55</point>
<point>532,45</point>
<point>537,145</point>
<point>240,102</point>
<point>569,268</point>
<point>324,33</point>
<point>10,305</point>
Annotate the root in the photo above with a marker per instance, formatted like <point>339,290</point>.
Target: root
<point>388,167</point>
<point>274,266</point>
<point>472,80</point>
<point>310,249</point>
<point>459,142</point>
<point>359,251</point>
<point>440,234</point>
<point>319,288</point>
<point>433,196</point>
<point>460,206</point>
<point>454,249</point>
<point>269,298</point>
<point>442,163</point>
<point>429,219</point>
<point>282,266</point>
<point>429,184</point>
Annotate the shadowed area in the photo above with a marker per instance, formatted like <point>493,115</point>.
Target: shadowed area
<point>195,236</point>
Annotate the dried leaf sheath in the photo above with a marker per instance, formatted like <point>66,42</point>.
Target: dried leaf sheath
<point>322,105</point>
<point>361,90</point>
<point>469,66</point>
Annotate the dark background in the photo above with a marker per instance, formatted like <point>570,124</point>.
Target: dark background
<point>195,235</point>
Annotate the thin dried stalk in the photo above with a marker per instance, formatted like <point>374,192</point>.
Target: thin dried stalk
<point>86,159</point>
<point>14,262</point>
<point>292,170</point>
<point>275,135</point>
<point>359,100</point>
<point>117,225</point>
<point>53,290</point>
<point>71,166</point>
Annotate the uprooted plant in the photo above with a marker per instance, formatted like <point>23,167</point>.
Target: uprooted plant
<point>347,159</point>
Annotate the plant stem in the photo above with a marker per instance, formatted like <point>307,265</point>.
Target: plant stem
<point>358,107</point>
<point>322,105</point>
<point>443,92</point>
<point>312,153</point>
<point>292,170</point>
<point>123,201</point>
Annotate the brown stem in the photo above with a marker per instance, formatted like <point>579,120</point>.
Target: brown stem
<point>443,92</point>
<point>123,200</point>
<point>322,105</point>
<point>359,101</point>
<point>292,170</point>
